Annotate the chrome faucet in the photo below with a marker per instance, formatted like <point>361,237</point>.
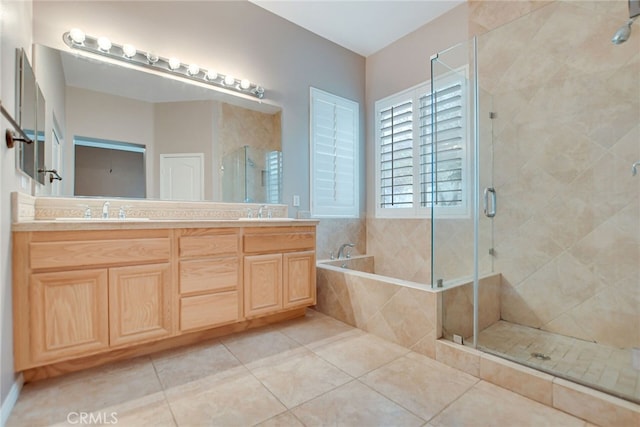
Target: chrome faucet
<point>342,248</point>
<point>105,210</point>
<point>260,211</point>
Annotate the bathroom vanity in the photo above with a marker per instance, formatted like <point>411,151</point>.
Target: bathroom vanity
<point>86,292</point>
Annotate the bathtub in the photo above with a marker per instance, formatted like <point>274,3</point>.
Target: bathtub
<point>408,313</point>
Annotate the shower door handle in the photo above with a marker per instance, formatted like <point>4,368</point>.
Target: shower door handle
<point>490,193</point>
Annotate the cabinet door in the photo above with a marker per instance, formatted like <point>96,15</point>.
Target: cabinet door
<point>69,314</point>
<point>299,279</point>
<point>262,284</point>
<point>139,303</point>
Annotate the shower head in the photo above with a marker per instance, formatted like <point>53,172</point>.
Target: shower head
<point>623,33</point>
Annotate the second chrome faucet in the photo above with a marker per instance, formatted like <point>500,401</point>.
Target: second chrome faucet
<point>343,250</point>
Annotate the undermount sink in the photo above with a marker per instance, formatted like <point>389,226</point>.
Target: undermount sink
<point>265,219</point>
<point>75,219</point>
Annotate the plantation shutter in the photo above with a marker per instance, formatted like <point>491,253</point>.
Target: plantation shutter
<point>441,165</point>
<point>334,156</point>
<point>396,154</point>
<point>273,162</point>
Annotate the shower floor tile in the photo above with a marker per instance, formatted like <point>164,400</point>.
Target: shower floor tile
<point>599,366</point>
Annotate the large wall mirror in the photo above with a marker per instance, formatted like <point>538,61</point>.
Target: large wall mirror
<point>175,133</point>
<point>26,112</point>
<point>32,117</point>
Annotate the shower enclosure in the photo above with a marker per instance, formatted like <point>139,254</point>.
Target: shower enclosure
<point>551,116</point>
<point>252,175</point>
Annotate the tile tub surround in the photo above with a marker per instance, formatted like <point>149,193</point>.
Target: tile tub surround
<point>262,377</point>
<point>384,305</point>
<point>400,311</point>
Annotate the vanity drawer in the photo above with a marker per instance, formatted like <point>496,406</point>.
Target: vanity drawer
<point>208,245</point>
<point>208,310</point>
<point>83,253</point>
<point>205,275</point>
<point>278,242</point>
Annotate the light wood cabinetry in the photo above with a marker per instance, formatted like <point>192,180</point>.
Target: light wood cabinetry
<point>78,293</point>
<point>81,298</point>
<point>263,284</point>
<point>279,268</point>
<point>210,277</point>
<point>139,303</point>
<point>299,279</point>
<point>68,313</point>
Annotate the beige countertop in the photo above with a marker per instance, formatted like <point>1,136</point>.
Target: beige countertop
<point>135,224</point>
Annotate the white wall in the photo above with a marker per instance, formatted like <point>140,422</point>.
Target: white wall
<point>234,37</point>
<point>15,32</point>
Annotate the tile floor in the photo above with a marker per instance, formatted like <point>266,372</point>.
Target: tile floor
<point>604,367</point>
<point>305,372</point>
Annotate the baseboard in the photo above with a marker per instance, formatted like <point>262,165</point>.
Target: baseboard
<point>10,401</point>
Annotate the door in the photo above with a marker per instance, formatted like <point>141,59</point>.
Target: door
<point>182,176</point>
<point>139,303</point>
<point>69,316</point>
<point>263,284</point>
<point>299,279</point>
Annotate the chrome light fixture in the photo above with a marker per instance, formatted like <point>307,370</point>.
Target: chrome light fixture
<point>77,39</point>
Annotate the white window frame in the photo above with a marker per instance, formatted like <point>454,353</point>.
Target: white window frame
<point>416,210</point>
<point>352,208</point>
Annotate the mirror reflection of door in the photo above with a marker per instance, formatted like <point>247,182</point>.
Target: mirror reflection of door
<point>109,168</point>
<point>182,176</point>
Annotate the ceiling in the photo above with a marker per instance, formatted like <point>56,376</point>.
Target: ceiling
<point>362,26</point>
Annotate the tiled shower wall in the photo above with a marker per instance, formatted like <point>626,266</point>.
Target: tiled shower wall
<point>567,234</point>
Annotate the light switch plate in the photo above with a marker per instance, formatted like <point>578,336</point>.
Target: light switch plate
<point>296,200</point>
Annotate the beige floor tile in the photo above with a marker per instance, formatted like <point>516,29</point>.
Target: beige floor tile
<point>420,384</point>
<point>489,405</point>
<point>261,344</point>
<point>299,377</point>
<point>147,411</point>
<point>286,419</point>
<point>315,329</point>
<point>354,404</point>
<point>49,402</point>
<point>231,398</point>
<point>361,353</point>
<point>206,360</point>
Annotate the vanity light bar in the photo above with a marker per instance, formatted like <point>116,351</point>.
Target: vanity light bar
<point>77,39</point>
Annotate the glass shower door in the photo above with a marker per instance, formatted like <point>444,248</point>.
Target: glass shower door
<point>566,235</point>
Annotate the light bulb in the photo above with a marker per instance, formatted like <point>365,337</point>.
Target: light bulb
<point>152,58</point>
<point>212,75</point>
<point>245,84</point>
<point>229,80</point>
<point>193,70</point>
<point>77,35</point>
<point>129,50</point>
<point>174,63</point>
<point>104,44</point>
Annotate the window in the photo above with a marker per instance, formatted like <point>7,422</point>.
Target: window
<point>411,173</point>
<point>334,138</point>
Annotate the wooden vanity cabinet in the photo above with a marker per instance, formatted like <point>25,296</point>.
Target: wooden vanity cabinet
<point>279,269</point>
<point>84,292</point>
<point>84,297</point>
<point>210,278</point>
